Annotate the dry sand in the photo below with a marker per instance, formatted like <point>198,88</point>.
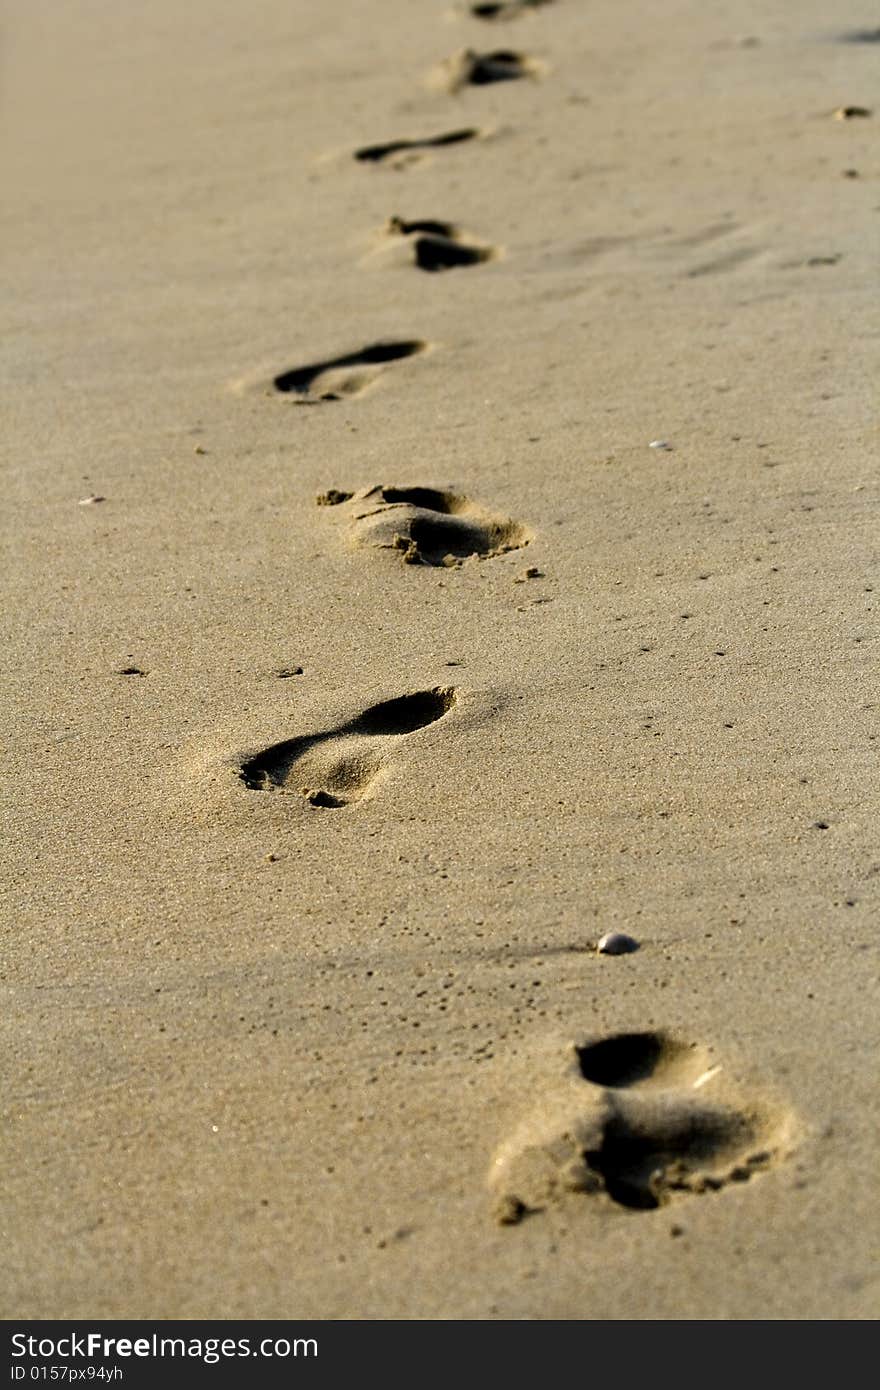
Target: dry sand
<point>292,983</point>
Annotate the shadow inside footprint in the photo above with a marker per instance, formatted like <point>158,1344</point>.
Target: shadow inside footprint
<point>340,381</point>
<point>621,1060</point>
<point>429,526</point>
<point>501,66</point>
<point>375,154</point>
<point>336,768</point>
<point>643,1156</point>
<point>469,69</point>
<point>860,36</point>
<point>429,225</point>
<point>640,1131</point>
<point>505,9</point>
<point>442,253</point>
<point>439,245</point>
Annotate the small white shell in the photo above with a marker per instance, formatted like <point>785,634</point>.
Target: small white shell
<point>660,444</point>
<point>616,943</point>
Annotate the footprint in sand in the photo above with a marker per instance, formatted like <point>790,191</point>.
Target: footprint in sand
<point>637,1118</point>
<point>400,151</point>
<point>425,525</point>
<point>439,245</point>
<point>505,9</point>
<point>346,375</point>
<point>340,766</point>
<point>470,69</point>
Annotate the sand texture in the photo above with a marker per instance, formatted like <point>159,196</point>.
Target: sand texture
<point>441,529</point>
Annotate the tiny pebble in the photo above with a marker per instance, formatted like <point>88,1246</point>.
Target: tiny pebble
<point>616,943</point>
<point>660,444</point>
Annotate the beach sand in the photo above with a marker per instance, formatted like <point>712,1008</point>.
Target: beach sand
<point>312,835</point>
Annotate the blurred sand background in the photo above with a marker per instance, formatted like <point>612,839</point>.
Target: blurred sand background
<point>259,1053</point>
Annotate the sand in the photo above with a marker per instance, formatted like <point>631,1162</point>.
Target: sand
<point>312,831</point>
